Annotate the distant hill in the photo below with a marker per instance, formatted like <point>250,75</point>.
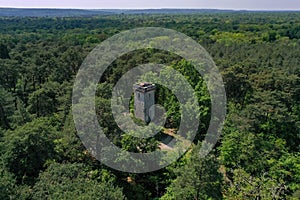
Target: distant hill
<point>31,12</point>
<point>47,12</point>
<point>164,11</point>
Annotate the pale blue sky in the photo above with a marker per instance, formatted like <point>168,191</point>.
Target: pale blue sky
<point>98,4</point>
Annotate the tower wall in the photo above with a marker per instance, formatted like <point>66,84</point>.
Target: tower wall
<point>144,99</point>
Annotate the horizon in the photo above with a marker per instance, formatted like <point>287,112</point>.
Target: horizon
<point>251,5</point>
<point>162,8</point>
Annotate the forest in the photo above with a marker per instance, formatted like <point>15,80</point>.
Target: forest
<point>257,156</point>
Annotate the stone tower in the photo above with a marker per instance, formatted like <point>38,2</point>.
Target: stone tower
<point>144,98</point>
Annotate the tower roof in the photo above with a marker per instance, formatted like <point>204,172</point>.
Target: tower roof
<point>144,86</point>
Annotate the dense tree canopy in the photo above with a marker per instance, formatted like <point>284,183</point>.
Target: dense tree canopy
<point>256,157</point>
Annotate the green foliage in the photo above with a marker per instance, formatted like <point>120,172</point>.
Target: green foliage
<point>246,187</point>
<point>6,108</point>
<point>67,145</point>
<point>73,181</point>
<point>21,115</point>
<point>43,102</point>
<point>287,168</point>
<point>4,54</point>
<point>7,184</point>
<point>198,179</point>
<point>27,148</point>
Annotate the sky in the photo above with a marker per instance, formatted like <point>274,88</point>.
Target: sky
<point>138,4</point>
